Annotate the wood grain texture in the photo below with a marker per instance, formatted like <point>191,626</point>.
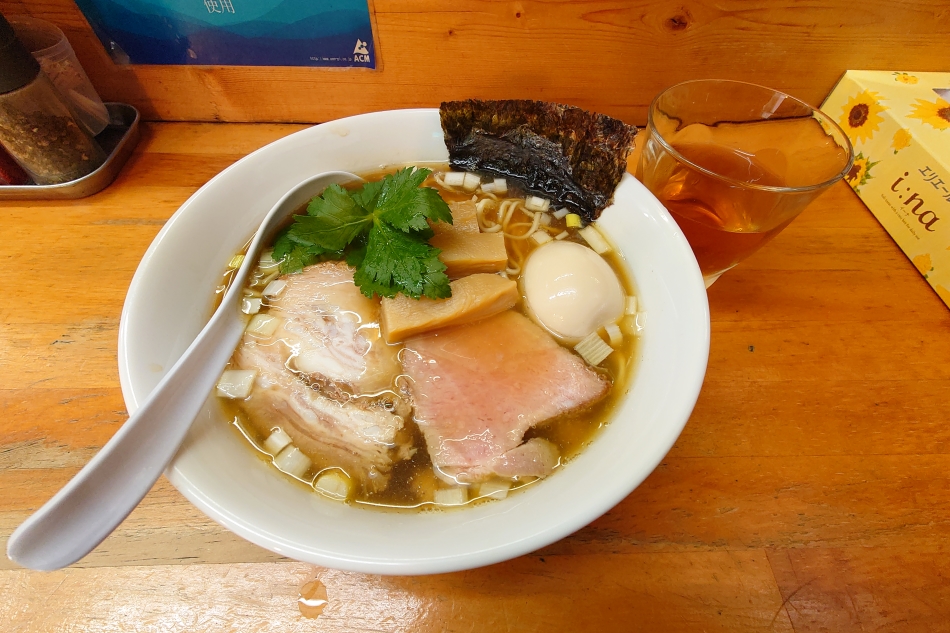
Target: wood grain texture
<point>865,589</point>
<point>608,55</point>
<point>808,492</point>
<point>532,593</point>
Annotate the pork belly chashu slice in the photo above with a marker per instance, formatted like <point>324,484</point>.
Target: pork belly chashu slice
<point>477,389</point>
<point>334,330</point>
<point>323,375</point>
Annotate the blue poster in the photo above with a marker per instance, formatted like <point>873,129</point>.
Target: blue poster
<point>235,32</point>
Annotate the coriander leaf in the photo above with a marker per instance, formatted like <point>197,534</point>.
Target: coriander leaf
<point>407,178</point>
<point>294,260</point>
<point>406,207</point>
<point>380,229</point>
<point>355,253</point>
<point>370,288</point>
<point>294,256</point>
<point>401,262</point>
<point>299,256</point>
<point>333,199</point>
<point>366,195</point>
<point>425,234</point>
<point>282,245</point>
<point>333,220</point>
<point>438,210</point>
<point>435,283</point>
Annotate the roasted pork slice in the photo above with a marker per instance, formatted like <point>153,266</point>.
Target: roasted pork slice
<point>477,388</point>
<point>358,435</point>
<point>324,374</point>
<point>535,458</point>
<point>332,330</point>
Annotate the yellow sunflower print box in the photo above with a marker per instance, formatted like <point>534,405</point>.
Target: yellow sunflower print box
<point>899,124</point>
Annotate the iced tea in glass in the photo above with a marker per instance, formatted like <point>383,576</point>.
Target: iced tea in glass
<point>735,163</point>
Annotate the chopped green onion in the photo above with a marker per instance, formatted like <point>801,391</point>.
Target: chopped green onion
<point>614,334</point>
<point>451,496</point>
<point>534,203</point>
<point>454,178</point>
<point>251,305</point>
<point>471,182</point>
<point>540,237</point>
<point>267,261</point>
<point>236,383</point>
<point>593,349</point>
<point>276,441</point>
<point>274,288</point>
<point>333,484</point>
<point>494,489</point>
<point>630,307</point>
<point>262,325</point>
<point>292,461</point>
<point>595,239</point>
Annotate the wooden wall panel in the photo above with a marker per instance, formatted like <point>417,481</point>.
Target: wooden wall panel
<point>607,55</point>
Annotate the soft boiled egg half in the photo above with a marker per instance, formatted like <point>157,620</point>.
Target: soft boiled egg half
<point>570,290</point>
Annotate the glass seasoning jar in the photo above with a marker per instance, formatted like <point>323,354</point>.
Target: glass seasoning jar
<point>36,127</point>
<point>49,46</point>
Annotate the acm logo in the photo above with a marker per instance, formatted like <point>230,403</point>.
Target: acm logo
<point>361,52</point>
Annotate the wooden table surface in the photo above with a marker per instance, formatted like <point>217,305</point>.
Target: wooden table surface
<point>808,492</point>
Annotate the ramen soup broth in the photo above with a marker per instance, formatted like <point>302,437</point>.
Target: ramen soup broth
<point>413,481</point>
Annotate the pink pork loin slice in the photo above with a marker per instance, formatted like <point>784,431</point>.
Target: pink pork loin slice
<point>477,389</point>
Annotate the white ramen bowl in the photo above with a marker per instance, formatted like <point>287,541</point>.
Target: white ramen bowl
<point>170,300</point>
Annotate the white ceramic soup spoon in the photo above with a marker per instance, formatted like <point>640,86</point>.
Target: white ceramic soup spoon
<point>94,502</point>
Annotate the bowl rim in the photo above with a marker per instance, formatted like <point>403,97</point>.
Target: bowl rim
<point>687,389</point>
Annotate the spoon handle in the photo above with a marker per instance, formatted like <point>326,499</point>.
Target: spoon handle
<point>101,495</point>
<point>94,502</point>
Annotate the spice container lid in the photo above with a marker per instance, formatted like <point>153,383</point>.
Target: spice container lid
<point>17,66</point>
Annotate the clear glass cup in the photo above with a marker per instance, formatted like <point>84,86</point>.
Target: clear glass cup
<point>40,133</point>
<point>52,50</point>
<point>735,163</point>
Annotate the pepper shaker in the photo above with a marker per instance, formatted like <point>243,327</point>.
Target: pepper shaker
<point>36,126</point>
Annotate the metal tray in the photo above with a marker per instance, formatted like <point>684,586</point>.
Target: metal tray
<point>117,141</point>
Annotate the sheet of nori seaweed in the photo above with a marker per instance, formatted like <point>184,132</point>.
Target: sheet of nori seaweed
<point>573,157</point>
